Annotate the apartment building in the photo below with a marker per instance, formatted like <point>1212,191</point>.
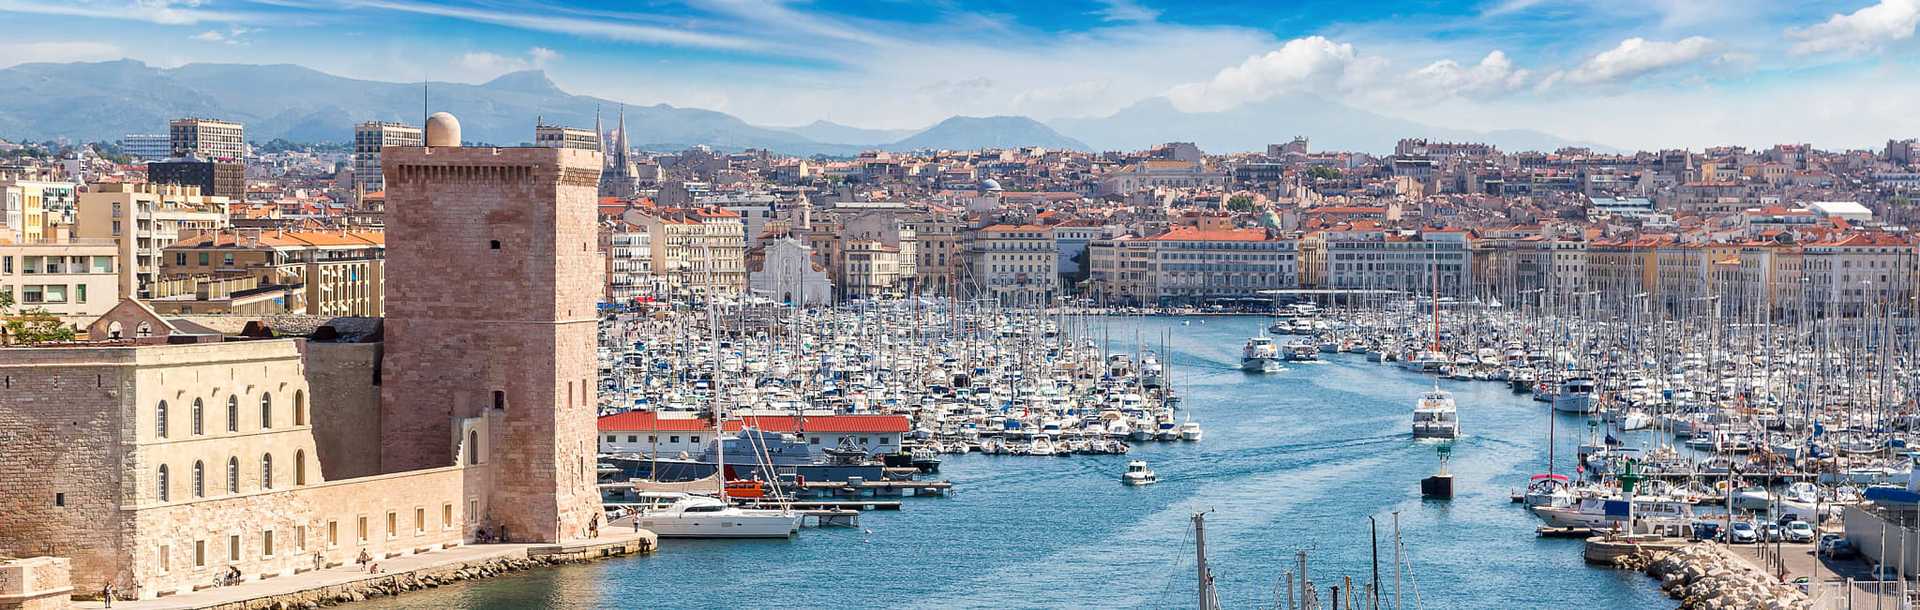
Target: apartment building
<point>697,250</point>
<point>76,280</point>
<point>144,219</point>
<point>368,140</point>
<point>324,273</point>
<point>1013,264</point>
<point>211,139</point>
<point>1412,261</point>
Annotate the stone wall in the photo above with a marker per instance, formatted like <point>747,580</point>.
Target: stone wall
<point>61,455</point>
<point>323,520</point>
<point>37,583</point>
<point>346,416</point>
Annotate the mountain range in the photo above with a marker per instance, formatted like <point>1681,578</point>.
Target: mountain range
<point>105,100</point>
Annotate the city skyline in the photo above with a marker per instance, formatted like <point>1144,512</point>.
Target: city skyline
<point>1629,75</point>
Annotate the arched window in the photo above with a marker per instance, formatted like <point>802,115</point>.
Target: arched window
<point>199,417</point>
<point>233,413</point>
<point>160,420</point>
<point>266,471</point>
<point>199,479</point>
<point>145,330</point>
<point>114,330</point>
<point>162,482</point>
<point>473,447</point>
<point>299,408</point>
<point>266,410</point>
<point>233,475</point>
<point>300,467</point>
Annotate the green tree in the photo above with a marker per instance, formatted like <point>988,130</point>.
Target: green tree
<point>30,326</point>
<point>1321,172</point>
<point>1240,203</point>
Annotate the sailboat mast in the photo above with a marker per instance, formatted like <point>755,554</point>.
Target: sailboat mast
<point>1200,561</point>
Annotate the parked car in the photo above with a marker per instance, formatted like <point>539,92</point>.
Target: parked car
<point>1769,532</point>
<point>1836,546</point>
<point>1742,532</point>
<point>1799,531</point>
<point>1882,573</point>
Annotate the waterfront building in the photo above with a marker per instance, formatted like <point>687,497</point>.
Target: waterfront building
<point>371,137</point>
<point>144,219</point>
<point>212,139</point>
<point>699,250</point>
<point>1372,258</point>
<point>653,433</point>
<point>1012,264</point>
<point>1193,265</point>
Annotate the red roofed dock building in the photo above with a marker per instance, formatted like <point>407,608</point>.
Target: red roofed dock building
<point>669,434</point>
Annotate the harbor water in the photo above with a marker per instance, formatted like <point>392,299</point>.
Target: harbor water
<point>1291,461</point>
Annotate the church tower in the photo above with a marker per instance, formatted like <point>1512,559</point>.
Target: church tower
<point>493,277</point>
<point>619,180</point>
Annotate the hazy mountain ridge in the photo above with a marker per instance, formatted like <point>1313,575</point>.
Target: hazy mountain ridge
<point>106,100</point>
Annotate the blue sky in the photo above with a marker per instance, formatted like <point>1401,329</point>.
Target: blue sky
<point>1634,73</point>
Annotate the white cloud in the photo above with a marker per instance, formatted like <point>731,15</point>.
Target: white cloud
<point>483,65</point>
<point>602,28</point>
<point>1636,56</point>
<point>1303,64</point>
<point>1861,30</point>
<point>1126,10</point>
<point>232,35</point>
<point>1494,74</point>
<point>57,52</point>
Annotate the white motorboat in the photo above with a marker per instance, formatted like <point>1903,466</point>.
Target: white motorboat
<point>1261,355</point>
<point>691,516</point>
<point>1190,431</point>
<point>1435,416</point>
<point>1602,513</point>
<point>1042,446</point>
<point>1139,474</point>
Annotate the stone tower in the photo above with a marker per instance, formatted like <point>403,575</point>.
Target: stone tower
<point>492,281</point>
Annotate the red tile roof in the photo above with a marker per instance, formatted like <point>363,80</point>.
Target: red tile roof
<point>649,421</point>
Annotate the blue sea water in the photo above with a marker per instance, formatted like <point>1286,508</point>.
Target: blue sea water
<point>1293,461</point>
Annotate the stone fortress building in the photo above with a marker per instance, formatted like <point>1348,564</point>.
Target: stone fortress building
<point>164,454</point>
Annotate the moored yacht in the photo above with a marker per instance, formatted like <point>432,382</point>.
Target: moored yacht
<point>1575,395</point>
<point>689,516</point>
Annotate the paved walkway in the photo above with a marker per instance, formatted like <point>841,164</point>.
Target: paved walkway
<point>1800,562</point>
<point>347,574</point>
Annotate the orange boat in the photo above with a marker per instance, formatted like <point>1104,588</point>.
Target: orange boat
<point>746,489</point>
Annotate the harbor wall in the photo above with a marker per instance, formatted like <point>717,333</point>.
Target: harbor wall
<point>1879,538</point>
<point>346,417</point>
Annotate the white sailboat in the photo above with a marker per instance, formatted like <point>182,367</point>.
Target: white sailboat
<point>691,516</point>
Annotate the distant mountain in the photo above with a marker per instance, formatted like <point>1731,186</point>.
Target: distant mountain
<point>829,131</point>
<point>967,133</point>
<point>103,101</point>
<point>1328,124</point>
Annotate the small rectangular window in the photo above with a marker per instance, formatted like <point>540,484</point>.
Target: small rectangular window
<point>363,530</point>
<point>266,543</point>
<point>166,558</point>
<point>393,525</point>
<point>446,516</point>
<point>199,553</point>
<point>419,521</point>
<point>300,538</point>
<point>233,547</point>
<point>60,499</point>
<point>333,534</point>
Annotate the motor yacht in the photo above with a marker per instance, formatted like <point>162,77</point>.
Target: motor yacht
<point>1435,416</point>
<point>685,515</point>
<point>1139,474</point>
<point>1261,355</point>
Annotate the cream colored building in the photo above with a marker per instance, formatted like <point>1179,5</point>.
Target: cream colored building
<point>1013,264</point>
<point>76,279</point>
<point>144,219</point>
<point>32,210</point>
<point>697,250</point>
<point>210,139</point>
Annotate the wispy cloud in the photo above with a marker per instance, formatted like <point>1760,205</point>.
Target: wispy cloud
<point>163,12</point>
<point>594,28</point>
<point>1636,56</point>
<point>1126,10</point>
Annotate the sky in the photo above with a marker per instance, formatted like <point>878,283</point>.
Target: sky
<point>1641,74</point>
